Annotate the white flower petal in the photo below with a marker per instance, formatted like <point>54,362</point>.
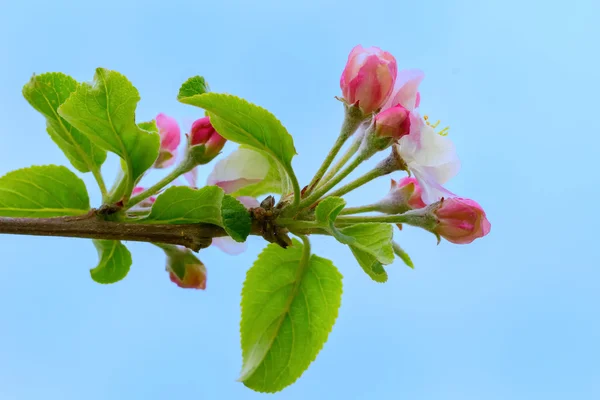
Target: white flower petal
<point>432,190</point>
<point>229,246</point>
<point>241,168</point>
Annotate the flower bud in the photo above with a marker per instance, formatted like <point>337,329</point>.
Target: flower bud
<point>170,136</point>
<point>393,122</point>
<point>185,269</point>
<point>461,220</point>
<point>403,196</point>
<point>368,78</point>
<point>206,140</point>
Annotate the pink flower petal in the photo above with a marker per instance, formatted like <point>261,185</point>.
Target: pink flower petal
<point>170,135</point>
<point>406,89</point>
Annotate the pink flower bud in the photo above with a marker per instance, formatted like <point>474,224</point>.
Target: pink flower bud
<point>170,136</point>
<point>403,196</point>
<point>203,133</point>
<point>192,269</point>
<point>393,122</point>
<point>461,220</point>
<point>368,78</point>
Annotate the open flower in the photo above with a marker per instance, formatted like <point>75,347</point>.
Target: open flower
<point>406,90</point>
<point>170,136</point>
<point>241,168</point>
<point>430,156</point>
<point>368,78</point>
<point>461,220</point>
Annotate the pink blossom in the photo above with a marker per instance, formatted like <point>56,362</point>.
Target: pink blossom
<point>461,220</point>
<point>368,78</point>
<point>405,90</point>
<point>170,136</point>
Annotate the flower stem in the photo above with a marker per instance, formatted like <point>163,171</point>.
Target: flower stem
<point>359,210</point>
<point>180,169</point>
<point>100,180</point>
<point>347,156</point>
<point>422,218</point>
<point>334,181</point>
<point>368,177</point>
<point>351,123</point>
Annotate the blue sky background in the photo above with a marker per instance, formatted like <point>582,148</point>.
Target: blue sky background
<point>511,316</point>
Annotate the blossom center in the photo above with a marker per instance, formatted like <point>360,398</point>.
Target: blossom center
<point>442,132</point>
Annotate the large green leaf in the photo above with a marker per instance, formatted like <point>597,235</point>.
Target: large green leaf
<point>42,191</point>
<point>184,205</point>
<point>105,112</point>
<point>245,123</point>
<point>290,302</point>
<point>114,263</point>
<point>46,93</point>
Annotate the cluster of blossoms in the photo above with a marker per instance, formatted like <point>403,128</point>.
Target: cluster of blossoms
<point>372,83</point>
<point>384,104</point>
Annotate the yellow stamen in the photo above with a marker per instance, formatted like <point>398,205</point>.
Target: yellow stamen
<point>443,132</point>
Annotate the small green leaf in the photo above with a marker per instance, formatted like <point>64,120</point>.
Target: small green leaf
<point>290,302</point>
<point>149,126</point>
<point>114,264</point>
<point>46,93</point>
<point>276,181</point>
<point>184,205</point>
<point>196,85</point>
<point>372,238</point>
<point>105,112</point>
<point>235,218</point>
<point>326,213</point>
<point>370,265</point>
<point>399,251</point>
<point>42,191</point>
<point>245,123</point>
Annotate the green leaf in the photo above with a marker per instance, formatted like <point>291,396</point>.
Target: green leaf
<point>46,93</point>
<point>276,181</point>
<point>196,85</point>
<point>235,218</point>
<point>42,191</point>
<point>105,112</point>
<point>149,126</point>
<point>326,213</point>
<point>399,251</point>
<point>290,302</point>
<point>114,263</point>
<point>245,123</point>
<point>372,238</point>
<point>371,246</point>
<point>184,205</point>
<point>370,265</point>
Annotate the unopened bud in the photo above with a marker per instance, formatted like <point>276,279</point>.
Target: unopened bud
<point>404,195</point>
<point>205,141</point>
<point>185,269</point>
<point>368,78</point>
<point>461,220</point>
<point>393,123</point>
